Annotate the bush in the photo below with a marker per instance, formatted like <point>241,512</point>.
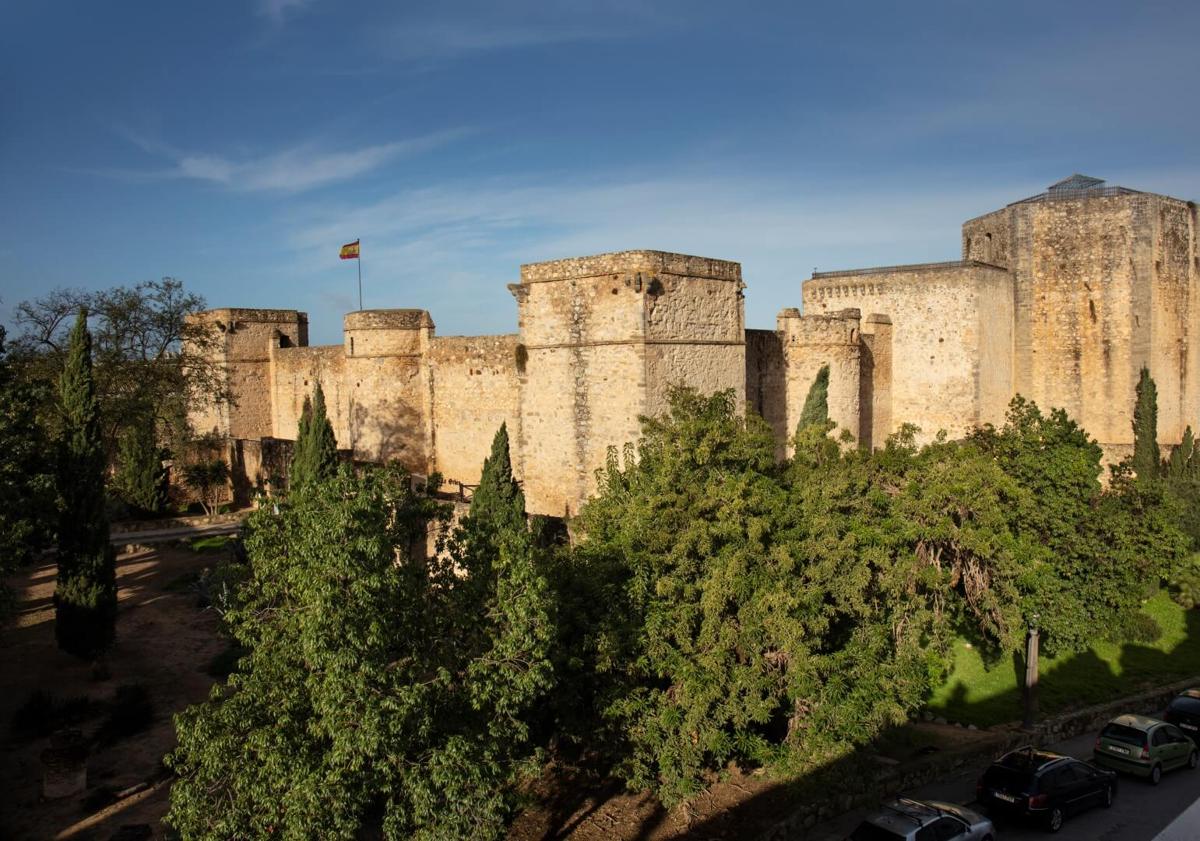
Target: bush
<point>224,664</point>
<point>41,714</point>
<point>130,712</point>
<point>217,586</point>
<point>1185,583</point>
<point>1138,627</point>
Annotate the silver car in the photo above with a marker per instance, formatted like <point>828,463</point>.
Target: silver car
<point>924,820</point>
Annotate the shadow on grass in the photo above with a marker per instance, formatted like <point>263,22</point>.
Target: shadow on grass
<point>986,696</point>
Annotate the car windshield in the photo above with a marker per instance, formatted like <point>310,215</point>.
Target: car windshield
<point>1184,704</point>
<point>870,832</point>
<point>1123,733</point>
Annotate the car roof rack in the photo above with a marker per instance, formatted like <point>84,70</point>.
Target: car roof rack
<point>908,801</point>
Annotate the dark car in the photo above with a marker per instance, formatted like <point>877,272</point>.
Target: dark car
<point>1044,786</point>
<point>1184,713</point>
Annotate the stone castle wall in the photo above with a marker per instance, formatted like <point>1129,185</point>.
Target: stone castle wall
<point>951,339</point>
<point>475,383</point>
<point>1061,298</point>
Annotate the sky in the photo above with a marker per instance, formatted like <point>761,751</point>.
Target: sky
<point>237,145</point>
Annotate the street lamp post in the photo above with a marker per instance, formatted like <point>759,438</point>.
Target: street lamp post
<point>1031,673</point>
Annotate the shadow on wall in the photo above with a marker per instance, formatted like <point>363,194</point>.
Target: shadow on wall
<point>386,430</point>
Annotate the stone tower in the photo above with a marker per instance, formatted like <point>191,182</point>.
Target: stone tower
<point>601,341</point>
<point>244,339</point>
<point>1104,282</point>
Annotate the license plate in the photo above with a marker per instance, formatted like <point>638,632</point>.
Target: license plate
<point>1007,798</point>
<point>1116,749</point>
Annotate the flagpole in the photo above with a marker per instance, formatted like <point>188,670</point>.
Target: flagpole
<point>359,261</point>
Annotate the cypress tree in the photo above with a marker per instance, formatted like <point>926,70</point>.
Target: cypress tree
<point>315,456</point>
<point>1146,458</point>
<point>498,503</point>
<point>1181,464</point>
<point>141,478</point>
<point>86,594</point>
<point>816,405</point>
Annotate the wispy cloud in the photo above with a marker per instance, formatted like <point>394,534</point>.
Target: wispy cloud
<point>452,248</point>
<point>519,24</point>
<point>291,170</point>
<point>278,10</point>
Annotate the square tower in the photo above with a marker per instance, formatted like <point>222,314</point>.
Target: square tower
<point>602,339</point>
<point>1104,282</point>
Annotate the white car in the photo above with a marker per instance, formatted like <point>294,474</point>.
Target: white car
<point>924,820</point>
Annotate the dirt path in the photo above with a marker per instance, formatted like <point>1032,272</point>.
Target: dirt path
<point>164,642</point>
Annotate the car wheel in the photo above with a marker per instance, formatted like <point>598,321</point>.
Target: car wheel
<point>1155,774</point>
<point>1193,759</point>
<point>1108,797</point>
<point>1055,821</point>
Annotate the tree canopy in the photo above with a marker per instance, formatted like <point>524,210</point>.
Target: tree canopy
<point>28,496</point>
<point>151,363</point>
<point>381,689</point>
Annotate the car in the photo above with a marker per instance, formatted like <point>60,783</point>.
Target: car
<point>1144,746</point>
<point>1184,713</point>
<point>1044,786</point>
<point>924,820</point>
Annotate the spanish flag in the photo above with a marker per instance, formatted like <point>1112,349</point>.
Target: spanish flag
<point>350,251</point>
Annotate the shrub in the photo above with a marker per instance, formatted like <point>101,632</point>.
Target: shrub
<point>130,712</point>
<point>42,713</point>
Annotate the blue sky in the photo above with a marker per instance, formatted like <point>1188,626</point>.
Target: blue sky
<point>237,145</point>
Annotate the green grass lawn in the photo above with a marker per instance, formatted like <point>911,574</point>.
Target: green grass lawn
<point>209,543</point>
<point>985,694</point>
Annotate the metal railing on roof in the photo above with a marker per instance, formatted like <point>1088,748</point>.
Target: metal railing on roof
<point>1071,195</point>
<point>911,267</point>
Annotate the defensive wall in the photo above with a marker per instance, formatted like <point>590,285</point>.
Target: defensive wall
<point>1061,297</point>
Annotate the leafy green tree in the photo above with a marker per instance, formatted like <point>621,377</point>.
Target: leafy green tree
<point>685,530</point>
<point>141,478</point>
<point>379,690</point>
<point>151,361</point>
<point>1146,457</point>
<point>816,404</point>
<point>315,457</point>
<point>86,593</point>
<point>206,478</point>
<point>27,493</point>
<point>1085,549</point>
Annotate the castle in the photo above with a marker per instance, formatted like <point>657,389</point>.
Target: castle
<point>1061,297</point>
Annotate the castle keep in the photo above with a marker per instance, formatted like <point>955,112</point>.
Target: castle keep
<point>1061,297</point>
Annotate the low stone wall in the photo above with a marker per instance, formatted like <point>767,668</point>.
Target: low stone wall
<point>1152,703</point>
<point>164,523</point>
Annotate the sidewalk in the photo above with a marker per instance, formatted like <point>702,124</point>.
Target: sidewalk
<point>1186,827</point>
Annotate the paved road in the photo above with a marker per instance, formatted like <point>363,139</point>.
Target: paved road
<point>1141,811</point>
